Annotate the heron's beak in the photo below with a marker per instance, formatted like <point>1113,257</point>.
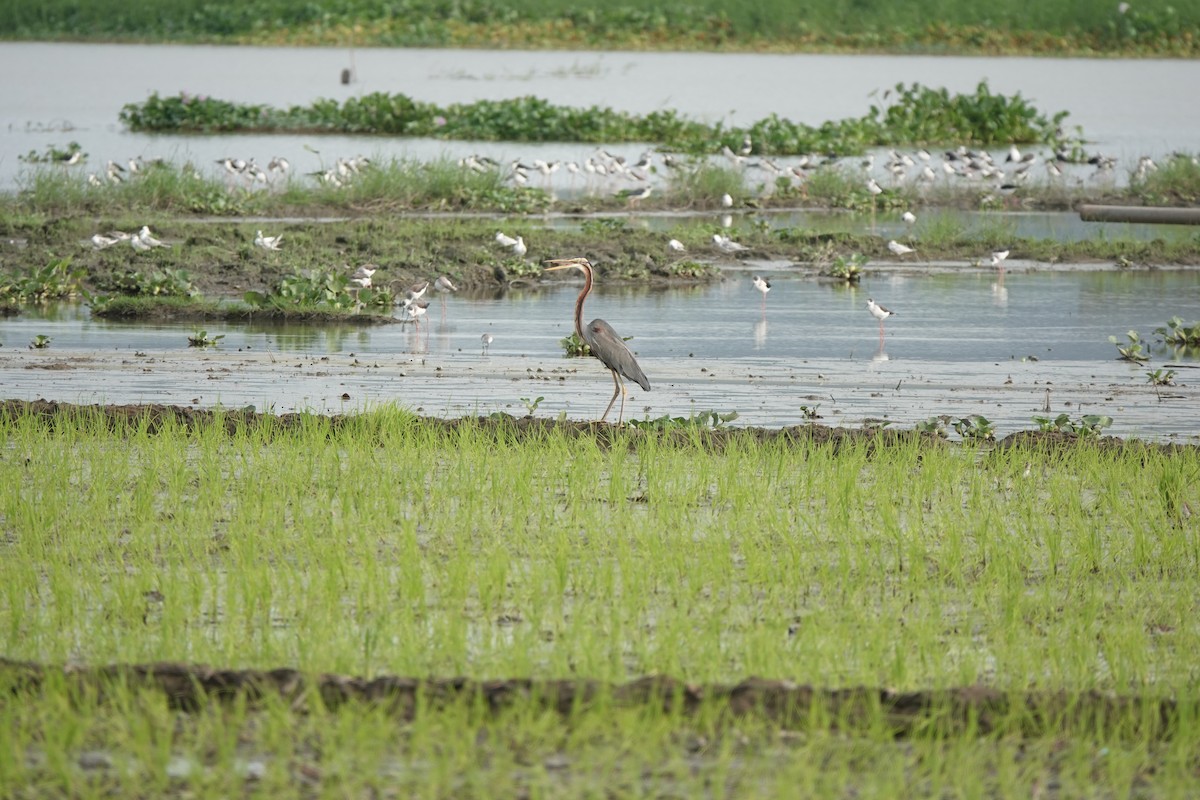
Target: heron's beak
<point>561,263</point>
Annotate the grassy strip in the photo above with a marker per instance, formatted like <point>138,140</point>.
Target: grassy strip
<point>133,744</point>
<point>1150,27</point>
<point>219,260</point>
<point>915,115</point>
<point>195,309</point>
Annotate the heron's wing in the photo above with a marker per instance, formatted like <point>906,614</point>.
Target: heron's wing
<point>608,346</point>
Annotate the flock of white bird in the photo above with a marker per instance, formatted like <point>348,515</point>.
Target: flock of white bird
<point>142,241</point>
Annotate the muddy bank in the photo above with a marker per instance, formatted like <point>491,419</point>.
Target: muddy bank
<point>966,709</point>
<point>153,417</point>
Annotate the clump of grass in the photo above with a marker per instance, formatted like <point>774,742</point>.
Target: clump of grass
<point>1175,182</point>
<point>159,187</point>
<point>702,184</point>
<point>440,185</point>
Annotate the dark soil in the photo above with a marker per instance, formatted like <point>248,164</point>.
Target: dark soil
<point>975,709</point>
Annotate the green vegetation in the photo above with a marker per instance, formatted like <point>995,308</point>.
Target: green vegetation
<point>1133,350</point>
<point>1086,425</point>
<point>1176,182</point>
<point>317,544</point>
<point>320,290</point>
<point>201,338</point>
<point>1059,27</point>
<point>1177,334</point>
<point>58,280</point>
<point>914,115</point>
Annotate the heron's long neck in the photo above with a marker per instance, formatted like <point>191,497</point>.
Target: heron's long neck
<point>587,287</point>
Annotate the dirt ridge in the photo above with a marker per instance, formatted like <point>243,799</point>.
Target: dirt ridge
<point>153,417</point>
<point>963,709</point>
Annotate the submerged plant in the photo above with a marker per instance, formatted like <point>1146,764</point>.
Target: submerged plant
<point>1176,334</point>
<point>73,154</point>
<point>935,425</point>
<point>1087,425</point>
<point>703,419</point>
<point>846,268</point>
<point>1132,351</point>
<point>56,280</point>
<point>200,338</point>
<point>975,428</point>
<point>1161,377</point>
<point>574,346</point>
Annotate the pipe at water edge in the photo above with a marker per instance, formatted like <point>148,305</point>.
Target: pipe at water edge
<point>1160,216</point>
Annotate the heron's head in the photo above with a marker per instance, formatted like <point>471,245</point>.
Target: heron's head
<point>579,263</point>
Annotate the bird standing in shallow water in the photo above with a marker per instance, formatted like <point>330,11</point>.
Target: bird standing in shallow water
<point>443,286</point>
<point>880,313</point>
<point>602,340</point>
<point>900,249</point>
<point>487,341</point>
<point>763,285</point>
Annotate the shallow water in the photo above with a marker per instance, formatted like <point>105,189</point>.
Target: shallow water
<point>67,92</point>
<point>959,344</point>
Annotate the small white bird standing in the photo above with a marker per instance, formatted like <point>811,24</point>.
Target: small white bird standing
<point>763,285</point>
<point>676,246</point>
<point>100,241</point>
<point>880,313</point>
<point>416,292</point>
<point>268,242</point>
<point>487,341</point>
<point>998,257</point>
<point>519,248</point>
<point>900,249</point>
<point>727,245</point>
<point>137,244</point>
<point>362,276</point>
<point>148,239</point>
<point>873,187</point>
<point>909,217</point>
<point>726,200</point>
<point>443,286</point>
<point>504,240</point>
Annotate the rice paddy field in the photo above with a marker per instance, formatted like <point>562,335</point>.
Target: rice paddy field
<point>588,611</point>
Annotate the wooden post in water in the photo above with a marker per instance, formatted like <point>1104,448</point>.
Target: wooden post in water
<point>1147,214</point>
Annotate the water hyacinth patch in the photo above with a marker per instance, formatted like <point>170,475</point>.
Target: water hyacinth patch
<point>915,114</point>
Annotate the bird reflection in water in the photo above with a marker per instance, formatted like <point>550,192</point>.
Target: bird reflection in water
<point>760,334</point>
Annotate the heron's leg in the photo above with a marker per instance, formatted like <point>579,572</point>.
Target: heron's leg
<point>621,413</point>
<point>616,391</point>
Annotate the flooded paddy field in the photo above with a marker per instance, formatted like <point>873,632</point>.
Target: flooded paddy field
<point>1009,347</point>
